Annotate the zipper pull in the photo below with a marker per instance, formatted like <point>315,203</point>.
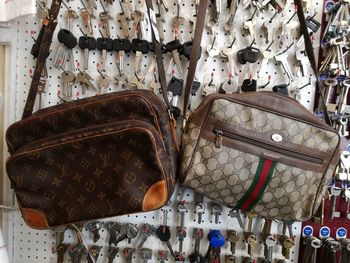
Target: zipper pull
<point>218,140</point>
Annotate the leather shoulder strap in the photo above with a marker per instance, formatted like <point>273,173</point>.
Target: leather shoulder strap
<point>158,52</point>
<point>196,46</point>
<point>41,50</point>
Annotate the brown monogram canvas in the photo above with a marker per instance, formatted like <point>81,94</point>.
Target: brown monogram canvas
<point>225,173</point>
<point>86,159</point>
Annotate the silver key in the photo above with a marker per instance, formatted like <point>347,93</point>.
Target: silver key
<point>85,80</point>
<point>86,17</point>
<point>163,255</point>
<point>103,82</point>
<point>123,20</point>
<point>228,52</point>
<point>181,234</point>
<point>182,207</point>
<point>147,231</point>
<point>217,209</point>
<point>269,244</point>
<point>67,80</point>
<point>145,254</point>
<point>113,228</point>
<point>138,17</point>
<point>282,58</point>
<point>128,254</point>
<point>344,95</point>
<point>104,17</point>
<point>112,253</point>
<point>200,208</point>
<point>70,15</point>
<point>130,233</point>
<point>95,227</point>
<point>335,192</point>
<point>234,213</point>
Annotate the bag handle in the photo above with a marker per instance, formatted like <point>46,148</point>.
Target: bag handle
<point>41,50</point>
<point>197,42</point>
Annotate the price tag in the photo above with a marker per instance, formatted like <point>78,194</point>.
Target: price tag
<point>325,232</point>
<point>341,233</point>
<point>308,231</point>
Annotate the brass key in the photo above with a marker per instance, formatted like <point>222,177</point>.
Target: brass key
<point>233,239</point>
<point>138,17</point>
<point>122,19</point>
<point>286,243</point>
<point>250,216</point>
<point>86,16</point>
<point>251,240</point>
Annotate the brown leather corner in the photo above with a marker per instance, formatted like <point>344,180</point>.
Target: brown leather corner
<point>35,218</point>
<point>155,197</point>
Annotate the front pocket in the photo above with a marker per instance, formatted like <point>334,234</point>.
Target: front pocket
<point>89,173</point>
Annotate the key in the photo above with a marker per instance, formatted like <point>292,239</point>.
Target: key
<point>42,10</point>
<point>216,241</point>
<point>248,260</point>
<point>249,85</point>
<point>231,258</point>
<point>163,256</point>
<point>70,15</point>
<point>104,44</point>
<point>266,228</point>
<point>145,254</point>
<point>344,95</point>
<point>335,192</point>
<point>87,44</point>
<point>228,52</point>
<point>67,41</point>
<point>212,52</point>
<point>86,17</point>
<point>179,257</point>
<point>287,243</point>
<point>130,233</point>
<point>95,227</point>
<point>122,19</point>
<point>139,47</point>
<point>289,225</point>
<point>181,235</point>
<point>200,209</point>
<point>174,47</point>
<point>112,253</point>
<point>182,207</point>
<point>266,56</point>
<point>91,4</point>
<point>250,25</point>
<point>76,252</point>
<point>67,80</point>
<point>283,59</point>
<point>137,81</point>
<point>197,235</point>
<point>147,231</point>
<point>251,240</point>
<point>234,213</point>
<point>137,16</point>
<point>216,209</point>
<point>128,254</point>
<point>186,50</point>
<point>233,238</point>
<point>250,237</point>
<point>113,228</point>
<point>122,46</point>
<point>94,252</point>
<point>250,216</point>
<point>233,9</point>
<point>85,80</point>
<point>164,234</point>
<point>176,22</point>
<point>269,244</point>
<point>104,17</point>
<point>160,21</point>
<point>60,251</point>
<point>103,82</point>
<point>209,87</point>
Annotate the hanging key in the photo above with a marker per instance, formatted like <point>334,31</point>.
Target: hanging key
<point>139,47</point>
<point>182,206</point>
<point>122,46</point>
<point>60,251</point>
<point>233,238</point>
<point>147,231</point>
<point>216,241</point>
<point>104,18</point>
<point>200,209</point>
<point>197,235</point>
<point>104,44</point>
<point>138,17</point>
<point>269,243</point>
<point>163,256</point>
<point>344,95</point>
<point>164,234</point>
<point>282,58</point>
<point>228,53</point>
<point>130,233</point>
<point>174,47</point>
<point>250,237</point>
<point>67,79</point>
<point>128,254</point>
<point>42,11</point>
<point>95,228</point>
<point>181,235</point>
<point>287,243</point>
<point>94,252</point>
<point>87,44</point>
<point>70,15</point>
<point>234,213</point>
<point>249,85</point>
<point>67,41</point>
<point>86,17</point>
<point>112,253</point>
<point>103,82</point>
<point>335,193</point>
<point>186,50</point>
<point>113,228</point>
<point>85,80</point>
<point>145,254</point>
<point>76,253</point>
<point>216,209</point>
<point>176,22</point>
<point>175,89</point>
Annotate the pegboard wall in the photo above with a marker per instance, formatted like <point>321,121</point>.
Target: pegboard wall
<point>36,246</point>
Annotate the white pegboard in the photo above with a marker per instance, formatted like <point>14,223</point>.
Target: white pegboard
<point>35,246</point>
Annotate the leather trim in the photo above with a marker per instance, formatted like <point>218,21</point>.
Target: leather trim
<point>155,197</point>
<point>35,218</point>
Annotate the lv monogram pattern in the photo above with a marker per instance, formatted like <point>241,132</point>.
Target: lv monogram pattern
<point>261,121</point>
<point>100,176</point>
<point>225,174</point>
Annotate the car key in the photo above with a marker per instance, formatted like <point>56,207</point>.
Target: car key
<point>174,47</point>
<point>196,256</point>
<point>113,228</point>
<point>249,85</point>
<point>164,234</point>
<point>147,231</point>
<point>95,227</point>
<point>87,44</point>
<point>175,89</point>
<point>128,254</point>
<point>112,253</point>
<point>186,50</point>
<point>139,47</point>
<point>122,46</point>
<point>104,44</point>
<point>163,255</point>
<point>85,81</point>
<point>130,233</point>
<point>67,41</point>
<point>181,234</point>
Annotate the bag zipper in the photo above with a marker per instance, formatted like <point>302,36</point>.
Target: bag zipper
<point>221,133</point>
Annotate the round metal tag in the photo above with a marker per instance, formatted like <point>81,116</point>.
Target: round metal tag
<point>277,137</point>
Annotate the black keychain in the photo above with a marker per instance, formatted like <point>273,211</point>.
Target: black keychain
<point>187,49</point>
